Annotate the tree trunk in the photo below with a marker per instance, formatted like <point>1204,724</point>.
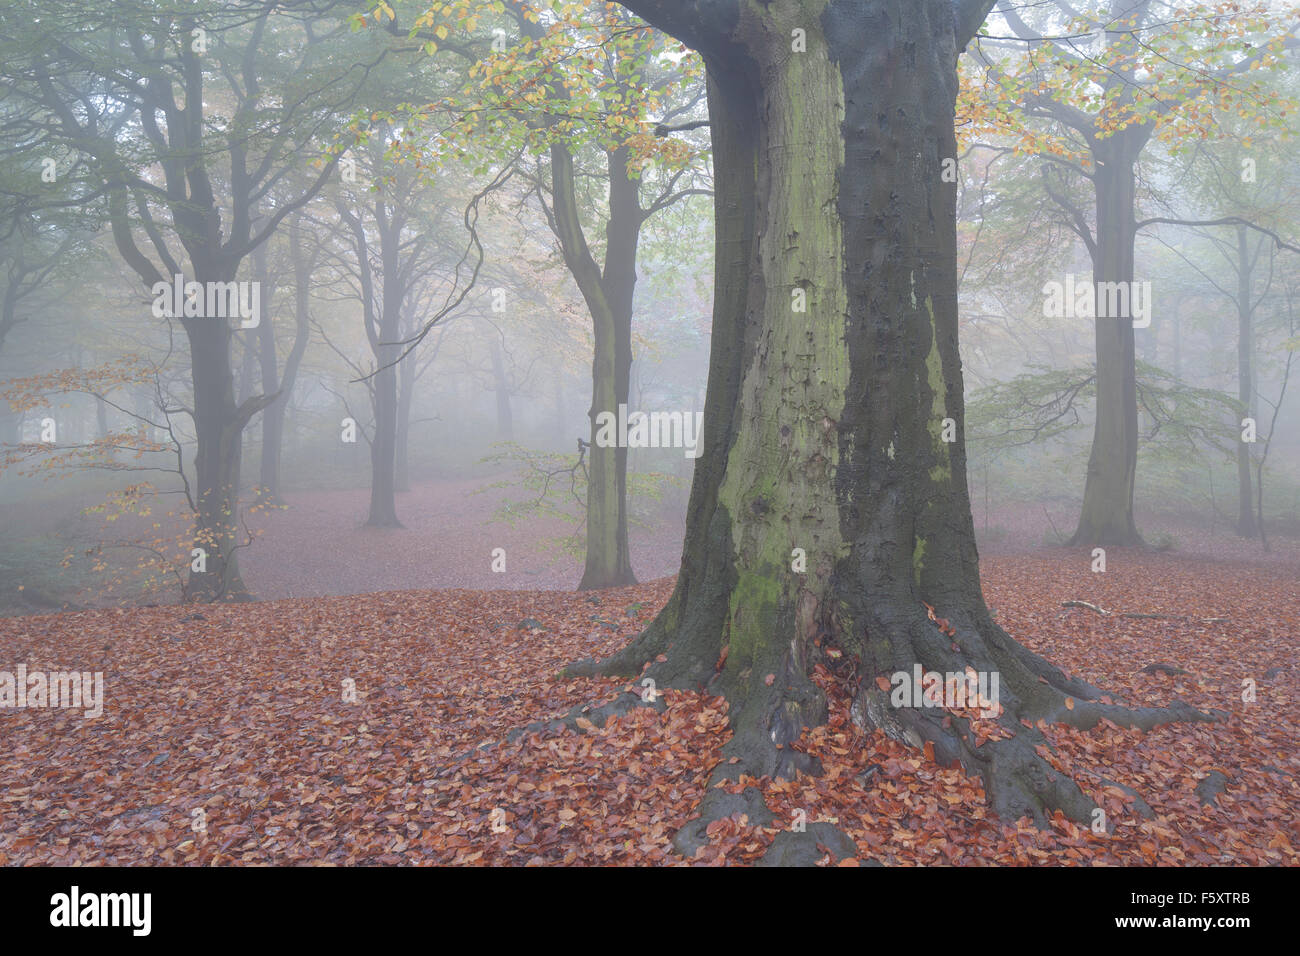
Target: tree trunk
<point>383,447</point>
<point>273,417</point>
<point>383,343</point>
<point>248,367</point>
<point>501,386</point>
<point>1176,318</point>
<point>561,412</point>
<point>101,420</point>
<point>383,451</point>
<point>1107,514</point>
<point>219,425</point>
<point>608,293</point>
<point>823,428</point>
<point>406,372</point>
<point>608,560</point>
<point>1247,526</point>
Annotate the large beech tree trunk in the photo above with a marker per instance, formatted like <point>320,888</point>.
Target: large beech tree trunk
<point>823,429</point>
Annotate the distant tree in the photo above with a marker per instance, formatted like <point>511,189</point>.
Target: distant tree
<point>587,91</point>
<point>1088,88</point>
<point>156,104</point>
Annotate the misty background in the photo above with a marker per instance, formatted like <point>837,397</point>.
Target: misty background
<point>422,238</point>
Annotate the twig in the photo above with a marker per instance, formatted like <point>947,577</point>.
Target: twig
<point>1090,607</point>
<point>1060,538</point>
<point>1154,617</point>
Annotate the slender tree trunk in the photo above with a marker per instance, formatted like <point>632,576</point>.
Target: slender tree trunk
<point>608,560</point>
<point>1247,526</point>
<point>823,428</point>
<point>1176,319</point>
<point>248,362</point>
<point>1107,514</point>
<point>268,362</point>
<point>501,387</point>
<point>561,412</point>
<point>269,489</point>
<point>273,417</point>
<point>608,292</point>
<point>405,396</point>
<point>383,447</point>
<point>383,453</point>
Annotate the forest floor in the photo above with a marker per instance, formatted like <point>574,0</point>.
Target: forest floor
<point>233,717</point>
<point>320,545</point>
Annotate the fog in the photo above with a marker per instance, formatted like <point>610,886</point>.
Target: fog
<point>415,300</point>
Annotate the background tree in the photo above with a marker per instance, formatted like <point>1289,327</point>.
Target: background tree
<point>1091,88</point>
<point>587,87</point>
<point>154,103</point>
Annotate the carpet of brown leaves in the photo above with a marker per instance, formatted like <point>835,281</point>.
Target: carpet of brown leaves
<point>239,713</point>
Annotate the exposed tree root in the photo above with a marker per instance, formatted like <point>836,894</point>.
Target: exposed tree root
<point>770,709</point>
<point>577,720</point>
<point>1159,668</point>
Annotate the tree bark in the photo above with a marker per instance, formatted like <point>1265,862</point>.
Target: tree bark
<point>273,416</point>
<point>1247,527</point>
<point>608,292</point>
<point>219,426</point>
<point>823,429</point>
<point>383,447</point>
<point>1107,514</point>
<point>406,374</point>
<point>383,281</point>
